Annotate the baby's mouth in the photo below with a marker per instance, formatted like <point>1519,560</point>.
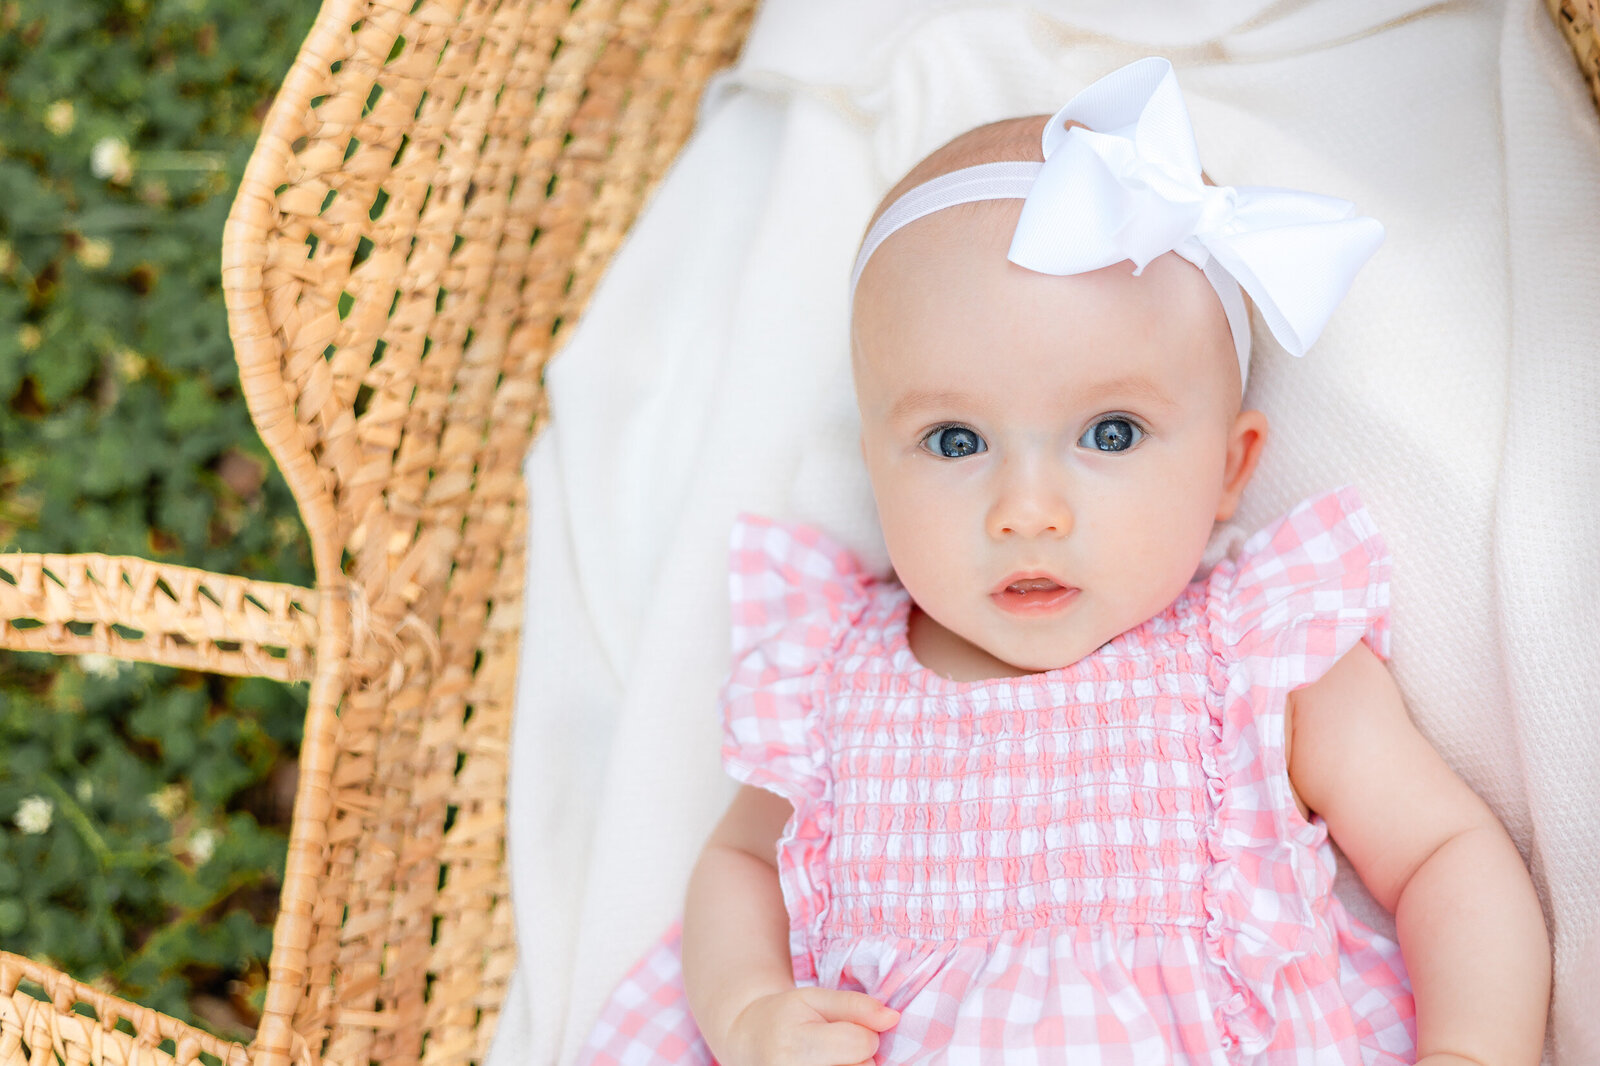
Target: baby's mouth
<point>1033,594</point>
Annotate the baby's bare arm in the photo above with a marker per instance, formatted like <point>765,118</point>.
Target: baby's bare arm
<point>736,967</point>
<point>735,928</point>
<point>1432,852</point>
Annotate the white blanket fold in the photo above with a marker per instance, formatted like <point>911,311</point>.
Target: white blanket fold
<point>1455,387</point>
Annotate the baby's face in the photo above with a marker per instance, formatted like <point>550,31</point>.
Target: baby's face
<point>1048,454</point>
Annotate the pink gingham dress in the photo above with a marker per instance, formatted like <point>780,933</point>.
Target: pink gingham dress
<point>1101,864</point>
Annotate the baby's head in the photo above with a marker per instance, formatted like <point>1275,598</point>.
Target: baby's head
<point>1027,433</point>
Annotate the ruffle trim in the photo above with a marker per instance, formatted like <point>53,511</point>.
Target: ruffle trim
<point>1280,577</point>
<point>794,594</point>
<point>1246,1015</point>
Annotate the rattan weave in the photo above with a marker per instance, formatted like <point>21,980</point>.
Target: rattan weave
<point>436,190</point>
<point>1580,21</point>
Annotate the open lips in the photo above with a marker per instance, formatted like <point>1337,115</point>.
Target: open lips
<point>1033,593</point>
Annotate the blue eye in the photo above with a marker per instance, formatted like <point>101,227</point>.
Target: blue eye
<point>1112,435</point>
<point>954,442</point>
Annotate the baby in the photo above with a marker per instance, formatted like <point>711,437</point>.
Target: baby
<point>1048,796</point>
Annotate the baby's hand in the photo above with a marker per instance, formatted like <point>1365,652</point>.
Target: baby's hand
<point>809,1027</point>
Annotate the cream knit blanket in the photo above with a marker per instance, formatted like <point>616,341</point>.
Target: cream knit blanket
<point>1457,387</point>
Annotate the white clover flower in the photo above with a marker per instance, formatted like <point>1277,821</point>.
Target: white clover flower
<point>203,845</point>
<point>94,253</point>
<point>59,117</point>
<point>129,363</point>
<point>99,665</point>
<point>111,161</point>
<point>33,815</point>
<point>84,791</point>
<point>167,801</point>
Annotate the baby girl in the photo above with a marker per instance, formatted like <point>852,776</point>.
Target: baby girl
<point>1055,792</point>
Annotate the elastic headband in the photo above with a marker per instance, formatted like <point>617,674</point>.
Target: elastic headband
<point>1126,185</point>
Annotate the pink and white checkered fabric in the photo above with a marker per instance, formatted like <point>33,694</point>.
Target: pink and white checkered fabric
<point>1100,864</point>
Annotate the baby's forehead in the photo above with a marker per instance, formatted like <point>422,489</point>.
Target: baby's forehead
<point>943,286</point>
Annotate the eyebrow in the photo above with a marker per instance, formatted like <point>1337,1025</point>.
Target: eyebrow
<point>1132,385</point>
<point>1136,385</point>
<point>917,399</point>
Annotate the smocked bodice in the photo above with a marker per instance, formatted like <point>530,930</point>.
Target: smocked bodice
<point>1069,798</point>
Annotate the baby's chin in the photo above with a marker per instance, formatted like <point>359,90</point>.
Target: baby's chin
<point>1044,664</point>
<point>1042,653</point>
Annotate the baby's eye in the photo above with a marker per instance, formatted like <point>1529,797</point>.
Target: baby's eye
<point>1112,435</point>
<point>954,442</point>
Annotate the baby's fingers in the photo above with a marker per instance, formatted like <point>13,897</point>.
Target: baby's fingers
<point>840,1043</point>
<point>837,1005</point>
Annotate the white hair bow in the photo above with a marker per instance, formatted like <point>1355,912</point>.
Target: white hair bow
<point>1126,184</point>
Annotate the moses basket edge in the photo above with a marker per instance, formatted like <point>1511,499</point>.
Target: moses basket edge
<point>434,195</point>
<point>436,190</point>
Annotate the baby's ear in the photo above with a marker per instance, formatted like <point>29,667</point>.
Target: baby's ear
<point>1245,441</point>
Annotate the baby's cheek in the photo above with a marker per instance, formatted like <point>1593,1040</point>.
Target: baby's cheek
<point>917,518</point>
<point>1172,554</point>
<point>921,558</point>
<point>1155,560</point>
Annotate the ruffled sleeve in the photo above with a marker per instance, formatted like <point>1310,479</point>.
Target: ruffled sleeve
<point>795,593</point>
<point>1301,593</point>
<point>1306,588</point>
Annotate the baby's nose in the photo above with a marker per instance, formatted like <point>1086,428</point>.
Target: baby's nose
<point>1032,502</point>
<point>1036,523</point>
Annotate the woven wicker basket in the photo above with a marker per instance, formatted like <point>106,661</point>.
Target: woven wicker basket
<point>434,195</point>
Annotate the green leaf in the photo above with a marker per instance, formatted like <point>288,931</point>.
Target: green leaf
<point>13,916</point>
